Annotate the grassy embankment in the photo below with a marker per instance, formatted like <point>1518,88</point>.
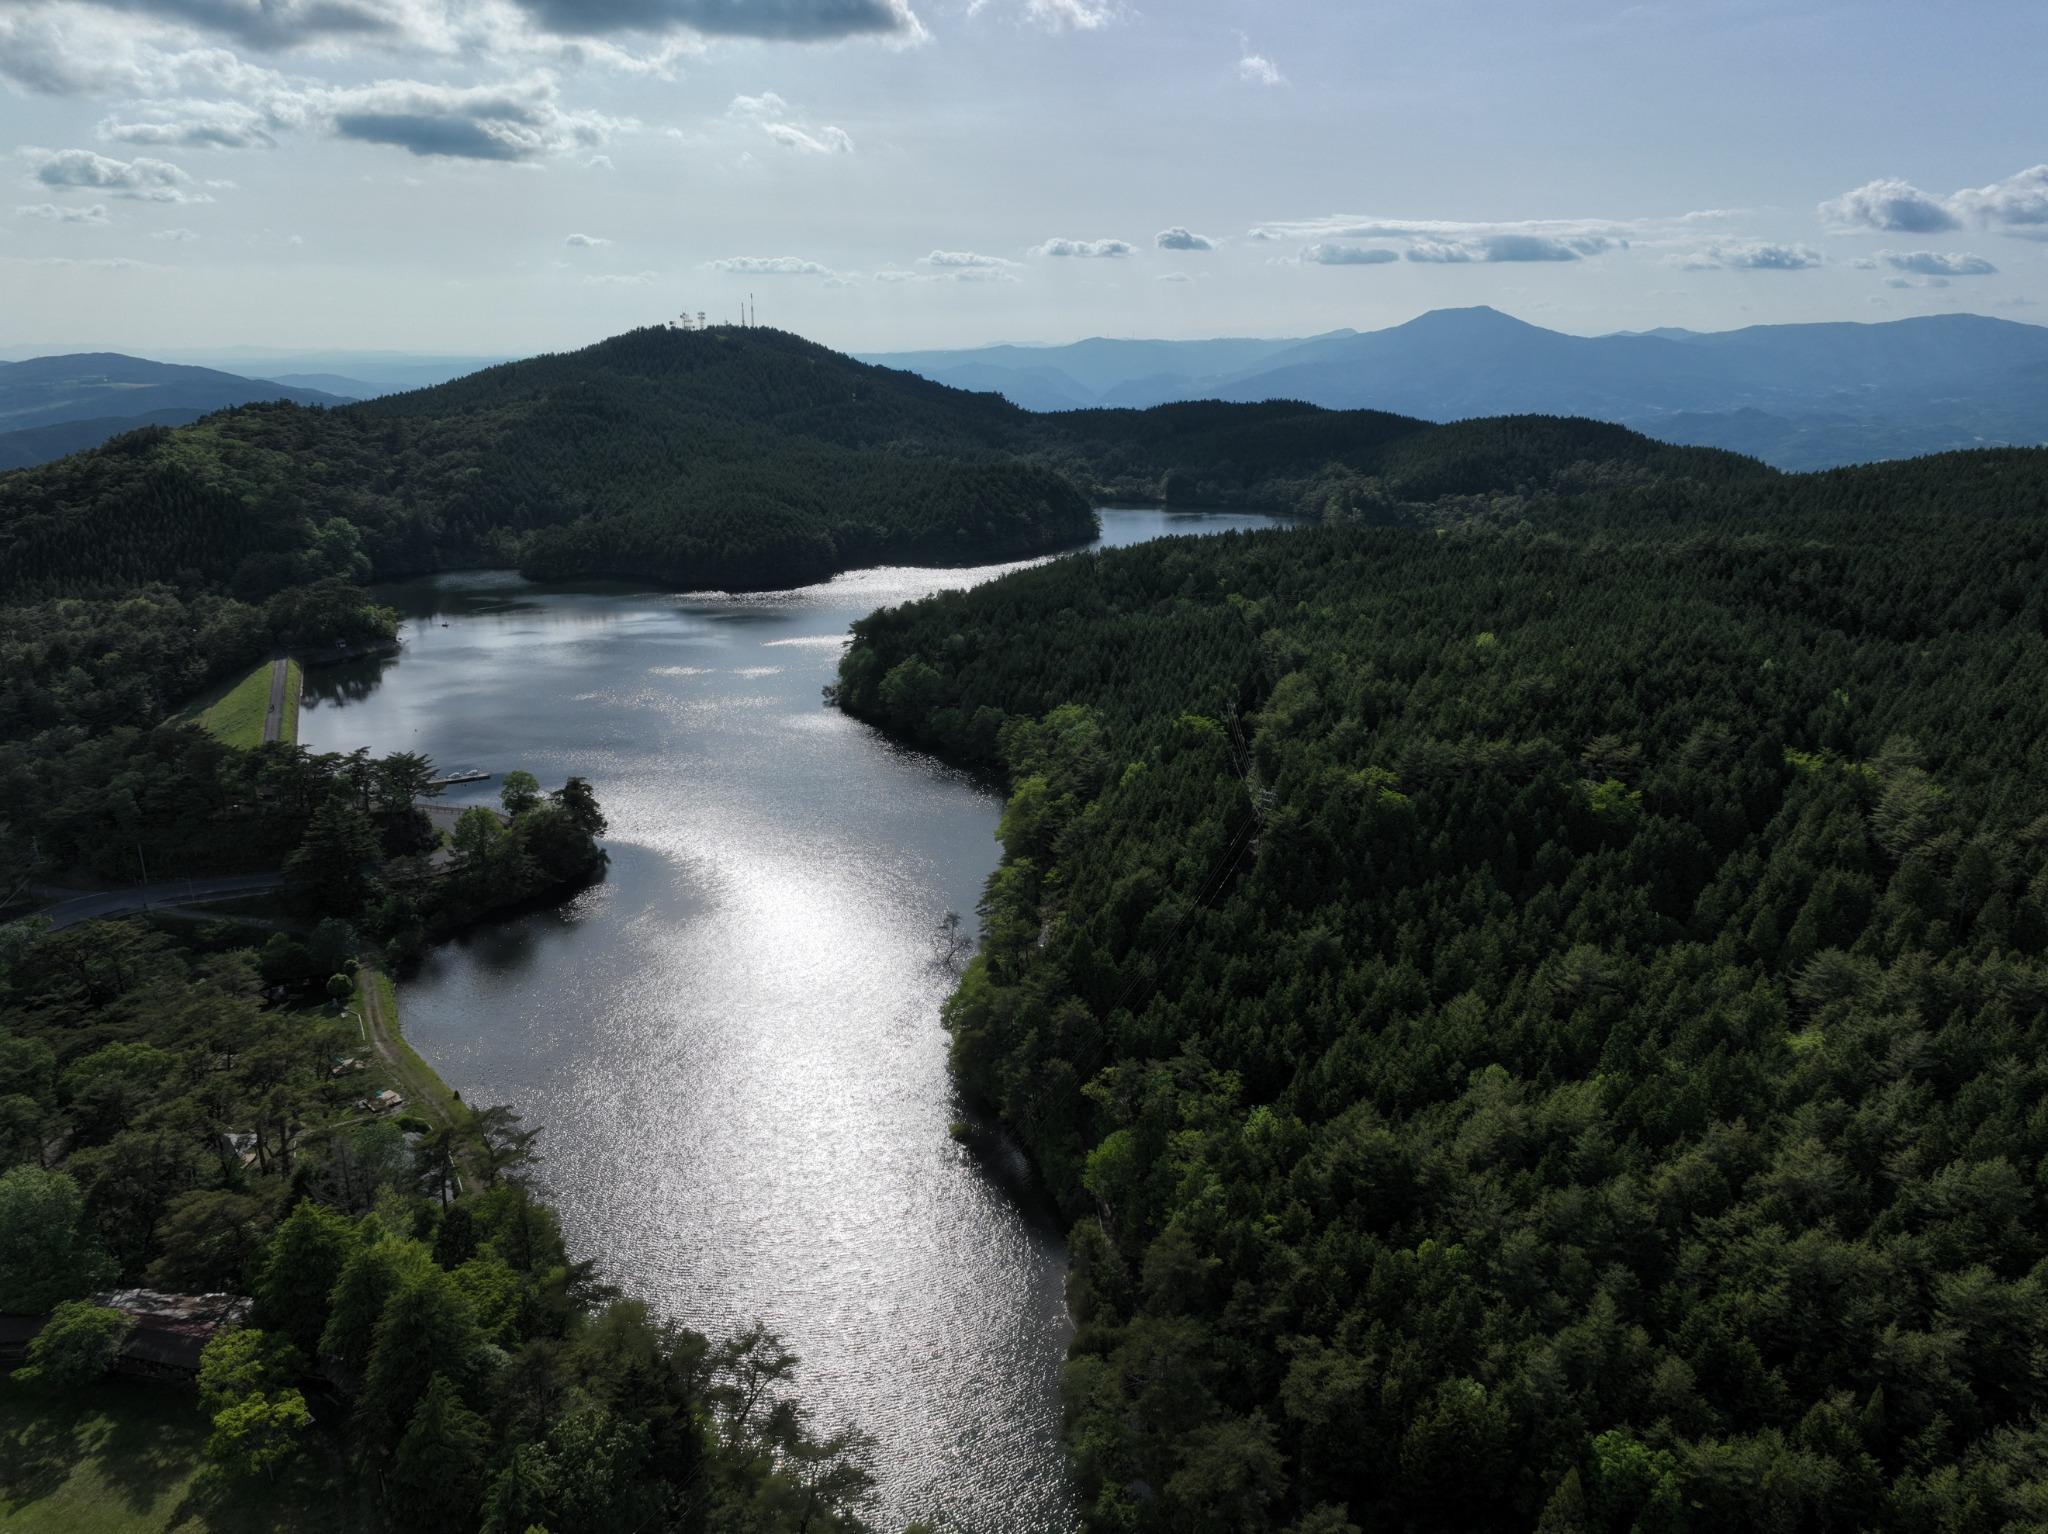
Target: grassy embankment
<point>234,713</point>
<point>127,1458</point>
<point>425,1094</point>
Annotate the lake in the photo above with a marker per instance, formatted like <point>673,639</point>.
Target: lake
<point>733,1041</point>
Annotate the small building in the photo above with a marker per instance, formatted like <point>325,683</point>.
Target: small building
<point>241,1144</point>
<point>171,1330</point>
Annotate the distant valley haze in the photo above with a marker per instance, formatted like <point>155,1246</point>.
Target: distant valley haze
<point>1797,396</point>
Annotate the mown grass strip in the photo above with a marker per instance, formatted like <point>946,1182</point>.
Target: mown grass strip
<point>234,714</point>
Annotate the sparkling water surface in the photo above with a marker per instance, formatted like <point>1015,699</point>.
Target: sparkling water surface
<point>733,1041</point>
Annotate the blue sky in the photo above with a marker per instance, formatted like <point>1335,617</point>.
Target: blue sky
<point>507,175</point>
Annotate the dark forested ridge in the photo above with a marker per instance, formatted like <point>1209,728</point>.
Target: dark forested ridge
<point>719,458</point>
<point>1538,1020</point>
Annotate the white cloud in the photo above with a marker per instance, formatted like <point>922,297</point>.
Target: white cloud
<point>821,141</point>
<point>79,50</point>
<point>1257,69</point>
<point>1892,205</point>
<point>1510,247</point>
<point>1174,277</point>
<point>515,120</point>
<point>50,213</point>
<point>1937,263</point>
<point>585,241</point>
<point>2017,205</point>
<point>1330,253</point>
<point>511,120</point>
<point>1178,238</point>
<point>196,125</point>
<point>1069,15</point>
<point>620,280</point>
<point>769,20</point>
<point>963,260</point>
<point>780,122</point>
<point>1750,256</point>
<point>1096,249</point>
<point>174,236</point>
<point>143,180</point>
<point>1552,239</point>
<point>772,266</point>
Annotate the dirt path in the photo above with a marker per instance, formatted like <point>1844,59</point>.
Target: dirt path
<point>410,1076</point>
<point>273,712</point>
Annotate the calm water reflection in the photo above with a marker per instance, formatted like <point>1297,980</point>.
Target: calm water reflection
<point>733,1042</point>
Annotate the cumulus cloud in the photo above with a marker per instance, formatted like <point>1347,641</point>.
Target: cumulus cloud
<point>1750,256</point>
<point>1937,263</point>
<point>619,280</point>
<point>517,120</point>
<point>1178,238</point>
<point>1890,205</point>
<point>1099,249</point>
<point>953,266</point>
<point>820,141</point>
<point>585,241</point>
<point>2017,205</point>
<point>964,260</point>
<point>283,23</point>
<point>1069,15</point>
<point>770,20</point>
<point>1257,69</point>
<point>1174,277</point>
<point>781,123</point>
<point>1457,241</point>
<point>1510,247</point>
<point>195,125</point>
<point>772,266</point>
<point>78,50</point>
<point>1330,254</point>
<point>280,24</point>
<point>173,236</point>
<point>50,213</point>
<point>143,180</point>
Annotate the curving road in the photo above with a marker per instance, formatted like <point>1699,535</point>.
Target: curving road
<point>141,897</point>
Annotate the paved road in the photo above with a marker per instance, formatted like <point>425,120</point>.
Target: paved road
<point>273,713</point>
<point>137,897</point>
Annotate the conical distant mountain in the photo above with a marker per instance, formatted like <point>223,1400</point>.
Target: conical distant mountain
<point>1798,396</point>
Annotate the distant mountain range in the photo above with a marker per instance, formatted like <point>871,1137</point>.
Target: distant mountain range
<point>50,406</point>
<point>1796,396</point>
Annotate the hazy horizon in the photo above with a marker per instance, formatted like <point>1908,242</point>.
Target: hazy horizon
<point>255,352</point>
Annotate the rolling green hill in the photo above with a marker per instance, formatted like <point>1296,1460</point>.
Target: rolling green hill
<point>734,458</point>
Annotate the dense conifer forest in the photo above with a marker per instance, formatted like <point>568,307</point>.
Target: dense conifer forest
<point>1530,992</point>
<point>1537,1017</point>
